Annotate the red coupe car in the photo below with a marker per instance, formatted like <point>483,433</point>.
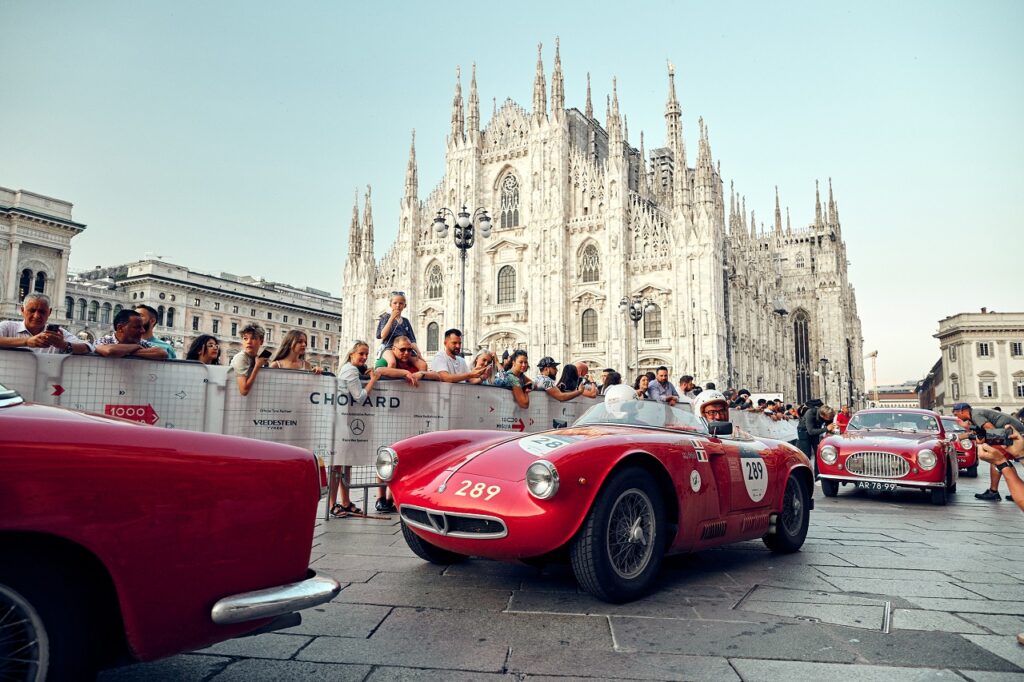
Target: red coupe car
<point>883,449</point>
<point>121,542</point>
<point>626,484</point>
<point>966,453</point>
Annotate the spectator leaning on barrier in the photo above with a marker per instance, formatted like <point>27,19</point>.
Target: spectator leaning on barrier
<point>661,389</point>
<point>291,354</point>
<point>34,333</point>
<point>149,319</point>
<point>641,385</point>
<point>205,349</point>
<point>686,387</point>
<point>127,339</point>
<point>249,361</point>
<point>547,368</point>
<point>402,364</point>
<point>449,363</point>
<point>484,361</point>
<point>571,379</point>
<point>513,378</point>
<point>390,327</point>
<point>982,419</point>
<point>610,379</point>
<point>350,377</point>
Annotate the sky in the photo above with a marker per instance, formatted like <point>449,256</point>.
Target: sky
<point>232,136</point>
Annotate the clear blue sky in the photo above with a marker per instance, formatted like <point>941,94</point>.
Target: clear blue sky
<point>231,136</point>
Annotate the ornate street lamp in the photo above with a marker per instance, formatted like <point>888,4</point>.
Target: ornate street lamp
<point>635,309</point>
<point>465,237</point>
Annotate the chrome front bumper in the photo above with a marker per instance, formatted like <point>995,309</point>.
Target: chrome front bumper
<point>275,601</point>
<point>866,479</point>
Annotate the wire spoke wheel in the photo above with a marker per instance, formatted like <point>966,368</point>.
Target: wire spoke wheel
<point>24,646</point>
<point>631,533</point>
<point>790,528</point>
<point>792,508</point>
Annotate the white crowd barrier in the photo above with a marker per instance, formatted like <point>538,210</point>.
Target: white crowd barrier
<point>296,408</point>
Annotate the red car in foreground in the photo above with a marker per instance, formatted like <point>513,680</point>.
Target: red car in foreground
<point>121,542</point>
<point>966,452</point>
<point>883,449</point>
<point>625,485</point>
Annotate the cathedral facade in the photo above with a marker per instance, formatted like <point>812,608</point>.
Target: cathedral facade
<point>581,220</point>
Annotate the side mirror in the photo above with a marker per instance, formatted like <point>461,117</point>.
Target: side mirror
<point>720,428</point>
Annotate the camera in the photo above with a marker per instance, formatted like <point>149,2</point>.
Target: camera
<point>996,437</point>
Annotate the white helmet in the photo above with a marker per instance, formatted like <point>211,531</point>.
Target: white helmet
<point>705,397</point>
<point>615,397</point>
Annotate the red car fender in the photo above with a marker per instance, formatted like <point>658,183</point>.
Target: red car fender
<point>440,444</point>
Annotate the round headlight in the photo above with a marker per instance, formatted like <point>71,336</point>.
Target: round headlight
<point>829,454</point>
<point>926,459</point>
<point>542,480</point>
<point>387,460</point>
<point>967,443</point>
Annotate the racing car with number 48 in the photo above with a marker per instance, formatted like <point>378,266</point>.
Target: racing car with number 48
<point>628,483</point>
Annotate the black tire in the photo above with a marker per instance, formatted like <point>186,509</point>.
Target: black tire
<point>790,527</point>
<point>939,496</point>
<point>45,608</point>
<point>427,551</point>
<point>617,553</point>
<point>829,488</point>
<point>971,472</point>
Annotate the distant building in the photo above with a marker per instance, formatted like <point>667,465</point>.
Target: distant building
<point>35,244</point>
<point>982,362</point>
<point>897,395</point>
<point>190,303</point>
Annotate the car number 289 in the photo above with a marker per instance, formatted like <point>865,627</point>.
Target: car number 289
<point>475,490</point>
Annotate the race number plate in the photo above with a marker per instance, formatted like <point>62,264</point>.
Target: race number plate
<point>874,485</point>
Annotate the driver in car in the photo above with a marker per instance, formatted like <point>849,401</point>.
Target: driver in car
<point>711,406</point>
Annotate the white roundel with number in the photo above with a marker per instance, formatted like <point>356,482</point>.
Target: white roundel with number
<point>755,476</point>
<point>542,445</point>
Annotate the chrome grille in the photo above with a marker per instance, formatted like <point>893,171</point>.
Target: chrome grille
<point>877,465</point>
<point>456,525</point>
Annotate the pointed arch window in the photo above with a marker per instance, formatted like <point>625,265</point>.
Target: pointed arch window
<point>510,201</point>
<point>590,264</point>
<point>435,282</point>
<point>588,326</point>
<point>802,351</point>
<point>799,260</point>
<point>652,321</point>
<point>506,284</point>
<point>432,334</point>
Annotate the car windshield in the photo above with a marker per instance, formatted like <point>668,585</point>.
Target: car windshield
<point>952,425</point>
<point>907,422</point>
<point>642,413</point>
<point>9,396</point>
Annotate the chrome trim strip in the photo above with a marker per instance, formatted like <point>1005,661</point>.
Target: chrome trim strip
<point>442,529</point>
<point>274,601</point>
<point>900,483</point>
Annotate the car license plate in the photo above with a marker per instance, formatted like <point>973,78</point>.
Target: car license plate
<point>874,485</point>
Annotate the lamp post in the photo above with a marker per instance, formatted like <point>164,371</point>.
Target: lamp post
<point>824,379</point>
<point>839,388</point>
<point>635,308</point>
<point>465,237</point>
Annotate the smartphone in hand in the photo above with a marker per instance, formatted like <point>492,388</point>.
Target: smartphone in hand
<point>53,327</point>
<point>265,354</point>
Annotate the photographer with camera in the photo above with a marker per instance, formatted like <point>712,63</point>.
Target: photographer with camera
<point>984,424</point>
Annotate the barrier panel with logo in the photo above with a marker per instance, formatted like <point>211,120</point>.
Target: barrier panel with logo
<point>762,426</point>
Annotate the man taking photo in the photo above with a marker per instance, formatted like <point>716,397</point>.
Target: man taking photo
<point>986,420</point>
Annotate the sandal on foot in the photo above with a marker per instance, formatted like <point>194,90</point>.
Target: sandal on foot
<point>339,512</point>
<point>352,509</point>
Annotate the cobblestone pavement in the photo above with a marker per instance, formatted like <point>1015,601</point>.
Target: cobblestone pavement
<point>886,588</point>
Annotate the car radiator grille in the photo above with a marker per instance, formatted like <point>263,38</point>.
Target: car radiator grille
<point>455,525</point>
<point>877,465</point>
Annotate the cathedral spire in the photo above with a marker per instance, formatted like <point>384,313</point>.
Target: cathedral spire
<point>540,97</point>
<point>458,119</point>
<point>817,206</point>
<point>614,120</point>
<point>411,177</point>
<point>833,218</point>
<point>789,225</point>
<point>367,225</point>
<point>557,84</point>
<point>673,113</point>
<point>645,185</point>
<point>743,215</point>
<point>473,120</point>
<point>355,236</point>
<point>753,225</point>
<point>589,111</point>
<point>778,212</point>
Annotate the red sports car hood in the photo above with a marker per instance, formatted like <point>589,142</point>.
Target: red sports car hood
<point>508,460</point>
<point>883,439</point>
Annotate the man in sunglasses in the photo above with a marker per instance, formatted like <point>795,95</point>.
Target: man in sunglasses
<point>402,364</point>
<point>711,406</point>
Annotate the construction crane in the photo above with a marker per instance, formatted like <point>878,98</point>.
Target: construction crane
<point>874,375</point>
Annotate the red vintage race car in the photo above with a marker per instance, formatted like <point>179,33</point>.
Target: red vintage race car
<point>883,449</point>
<point>121,542</point>
<point>625,485</point>
<point>966,453</point>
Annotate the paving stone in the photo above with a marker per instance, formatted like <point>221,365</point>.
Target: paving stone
<point>904,588</point>
<point>356,562</point>
<point>270,645</point>
<point>391,674</point>
<point>429,650</point>
<point>762,593</point>
<point>430,596</point>
<point>986,676</point>
<point>881,573</point>
<point>917,619</point>
<point>990,578</point>
<point>340,620</point>
<point>581,603</point>
<point>621,665</point>
<point>1000,592</point>
<point>293,671</point>
<point>967,605</point>
<point>344,575</point>
<point>186,667</point>
<point>795,671</point>
<point>864,617</point>
<point>1004,646</point>
<point>998,624</point>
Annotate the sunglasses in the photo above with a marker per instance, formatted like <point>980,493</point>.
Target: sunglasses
<point>402,350</point>
<point>398,293</point>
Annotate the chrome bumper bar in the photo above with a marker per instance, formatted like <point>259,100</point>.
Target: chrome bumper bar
<point>865,479</point>
<point>275,601</point>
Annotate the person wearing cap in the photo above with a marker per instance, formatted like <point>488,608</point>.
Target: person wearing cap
<point>982,418</point>
<point>545,381</point>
